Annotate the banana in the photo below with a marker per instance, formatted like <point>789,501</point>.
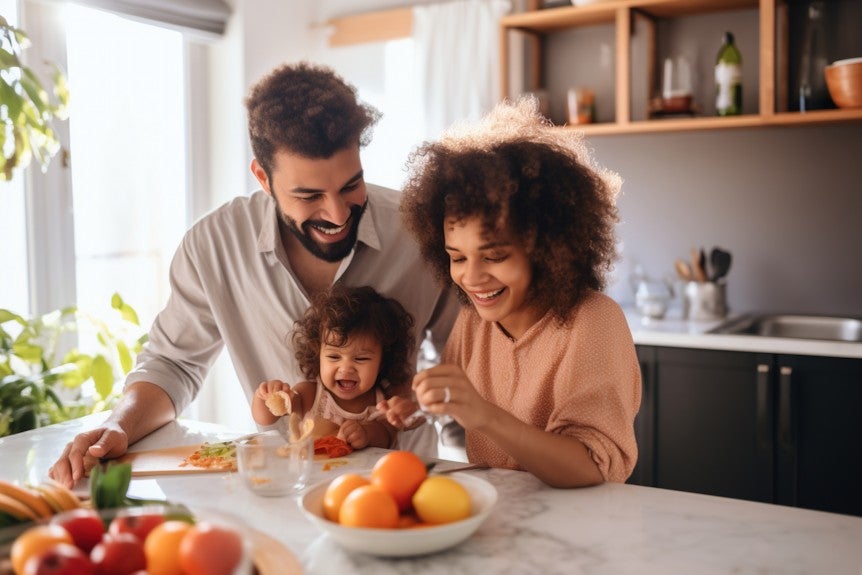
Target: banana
<point>66,498</point>
<point>50,497</point>
<point>16,509</point>
<point>28,497</point>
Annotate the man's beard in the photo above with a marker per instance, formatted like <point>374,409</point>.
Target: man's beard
<point>334,252</point>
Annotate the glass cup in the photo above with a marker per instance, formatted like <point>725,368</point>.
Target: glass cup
<point>653,297</point>
<point>676,94</point>
<point>581,104</point>
<point>273,466</point>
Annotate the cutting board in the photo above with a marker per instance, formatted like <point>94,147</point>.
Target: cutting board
<point>167,461</point>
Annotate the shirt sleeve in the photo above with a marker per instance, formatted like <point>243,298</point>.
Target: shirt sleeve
<point>599,409</point>
<point>184,340</point>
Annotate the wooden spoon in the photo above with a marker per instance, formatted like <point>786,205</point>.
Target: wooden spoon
<point>683,270</point>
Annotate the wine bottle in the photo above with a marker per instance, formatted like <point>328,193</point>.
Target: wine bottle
<point>728,78</point>
<point>813,93</point>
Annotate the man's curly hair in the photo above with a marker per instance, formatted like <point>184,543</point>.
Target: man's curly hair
<point>347,312</point>
<point>307,110</point>
<point>521,175</point>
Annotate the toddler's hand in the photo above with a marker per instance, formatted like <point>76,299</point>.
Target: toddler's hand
<point>267,388</point>
<point>354,434</point>
<point>397,409</point>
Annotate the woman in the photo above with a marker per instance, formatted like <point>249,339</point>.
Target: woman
<point>540,368</point>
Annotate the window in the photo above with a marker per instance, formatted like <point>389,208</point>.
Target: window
<point>127,134</point>
<point>13,247</point>
<point>401,128</point>
<point>110,222</point>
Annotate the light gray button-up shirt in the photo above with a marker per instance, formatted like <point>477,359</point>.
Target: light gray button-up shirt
<point>231,284</point>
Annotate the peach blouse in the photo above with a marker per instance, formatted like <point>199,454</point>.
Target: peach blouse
<point>581,380</point>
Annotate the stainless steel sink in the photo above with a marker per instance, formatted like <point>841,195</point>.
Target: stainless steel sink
<point>796,326</point>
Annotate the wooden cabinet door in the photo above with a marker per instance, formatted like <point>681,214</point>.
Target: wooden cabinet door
<point>713,423</point>
<point>819,433</point>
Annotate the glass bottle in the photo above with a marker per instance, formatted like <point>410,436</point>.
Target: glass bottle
<point>728,78</point>
<point>813,93</point>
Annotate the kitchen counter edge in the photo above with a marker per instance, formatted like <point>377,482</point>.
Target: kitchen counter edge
<point>673,331</point>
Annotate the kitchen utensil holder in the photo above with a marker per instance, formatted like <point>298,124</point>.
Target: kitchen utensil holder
<point>705,300</point>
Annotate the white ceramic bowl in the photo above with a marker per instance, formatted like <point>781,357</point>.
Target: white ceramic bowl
<point>404,542</point>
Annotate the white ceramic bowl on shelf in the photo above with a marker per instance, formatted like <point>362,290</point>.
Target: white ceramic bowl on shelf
<point>404,542</point>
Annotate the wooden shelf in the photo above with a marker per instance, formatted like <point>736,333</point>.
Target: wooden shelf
<point>621,14</point>
<point>555,19</point>
<point>820,117</point>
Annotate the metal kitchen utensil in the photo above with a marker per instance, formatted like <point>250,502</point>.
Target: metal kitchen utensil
<point>719,261</point>
<point>698,263</point>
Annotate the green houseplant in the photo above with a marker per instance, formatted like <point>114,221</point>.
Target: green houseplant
<point>40,383</point>
<point>27,112</point>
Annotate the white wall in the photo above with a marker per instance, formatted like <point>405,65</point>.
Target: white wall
<point>812,271</point>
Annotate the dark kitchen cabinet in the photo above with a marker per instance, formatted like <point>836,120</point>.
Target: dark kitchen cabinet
<point>764,427</point>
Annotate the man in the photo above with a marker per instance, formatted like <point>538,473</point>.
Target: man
<point>246,272</point>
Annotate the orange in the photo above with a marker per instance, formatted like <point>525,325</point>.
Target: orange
<point>209,549</point>
<point>399,473</point>
<point>441,499</point>
<point>162,547</point>
<point>410,521</point>
<point>35,541</point>
<point>369,506</point>
<point>338,489</point>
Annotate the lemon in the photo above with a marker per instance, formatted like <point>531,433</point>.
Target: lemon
<point>441,500</point>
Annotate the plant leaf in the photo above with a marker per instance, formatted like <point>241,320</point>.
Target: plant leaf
<point>126,311</point>
<point>125,357</point>
<point>103,376</point>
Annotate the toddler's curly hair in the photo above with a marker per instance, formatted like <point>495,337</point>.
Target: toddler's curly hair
<point>521,175</point>
<point>307,110</point>
<point>346,312</point>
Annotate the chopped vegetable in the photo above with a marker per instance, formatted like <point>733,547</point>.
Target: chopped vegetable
<point>331,446</point>
<point>220,455</point>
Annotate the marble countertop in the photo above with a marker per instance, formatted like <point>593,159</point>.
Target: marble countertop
<point>675,331</point>
<point>610,528</point>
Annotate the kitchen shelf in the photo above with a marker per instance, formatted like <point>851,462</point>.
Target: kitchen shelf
<point>622,14</point>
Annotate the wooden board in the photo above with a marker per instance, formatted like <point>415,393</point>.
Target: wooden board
<point>166,461</point>
<point>270,557</point>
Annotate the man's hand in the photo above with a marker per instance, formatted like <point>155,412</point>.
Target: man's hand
<point>143,408</point>
<point>85,451</point>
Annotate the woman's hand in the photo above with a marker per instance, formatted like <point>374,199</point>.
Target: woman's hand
<point>446,390</point>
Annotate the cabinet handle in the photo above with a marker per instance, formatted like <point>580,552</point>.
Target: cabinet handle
<point>785,407</point>
<point>764,433</point>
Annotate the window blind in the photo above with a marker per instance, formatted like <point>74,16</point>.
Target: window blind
<point>202,17</point>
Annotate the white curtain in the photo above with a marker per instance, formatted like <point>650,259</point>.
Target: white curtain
<point>457,60</point>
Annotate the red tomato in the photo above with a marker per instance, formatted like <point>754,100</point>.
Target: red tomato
<point>209,549</point>
<point>138,524</point>
<point>34,541</point>
<point>61,559</point>
<point>84,525</point>
<point>119,554</point>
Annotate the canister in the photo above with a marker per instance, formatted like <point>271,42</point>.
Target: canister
<point>705,300</point>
